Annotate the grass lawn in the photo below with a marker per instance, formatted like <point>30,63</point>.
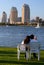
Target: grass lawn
<point>8,56</point>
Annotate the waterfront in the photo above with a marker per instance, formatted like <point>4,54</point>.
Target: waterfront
<point>11,36</point>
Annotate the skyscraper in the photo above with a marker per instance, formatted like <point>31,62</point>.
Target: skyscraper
<point>4,17</point>
<point>13,15</point>
<point>25,13</point>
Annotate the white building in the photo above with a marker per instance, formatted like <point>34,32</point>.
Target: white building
<point>4,17</point>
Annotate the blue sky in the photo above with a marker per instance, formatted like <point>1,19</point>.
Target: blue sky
<point>36,7</point>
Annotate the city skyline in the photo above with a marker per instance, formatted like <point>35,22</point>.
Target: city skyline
<point>36,7</point>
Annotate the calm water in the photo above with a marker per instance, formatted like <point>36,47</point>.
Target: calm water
<point>12,35</point>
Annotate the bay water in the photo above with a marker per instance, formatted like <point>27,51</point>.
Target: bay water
<point>11,36</point>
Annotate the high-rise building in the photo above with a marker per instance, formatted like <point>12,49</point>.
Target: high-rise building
<point>13,15</point>
<point>25,13</point>
<point>4,17</point>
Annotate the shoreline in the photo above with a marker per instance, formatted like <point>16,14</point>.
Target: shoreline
<point>20,25</point>
<point>25,24</point>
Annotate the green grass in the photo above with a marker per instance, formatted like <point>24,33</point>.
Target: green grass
<point>8,56</point>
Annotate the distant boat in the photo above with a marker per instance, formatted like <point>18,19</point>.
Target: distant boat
<point>38,26</point>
